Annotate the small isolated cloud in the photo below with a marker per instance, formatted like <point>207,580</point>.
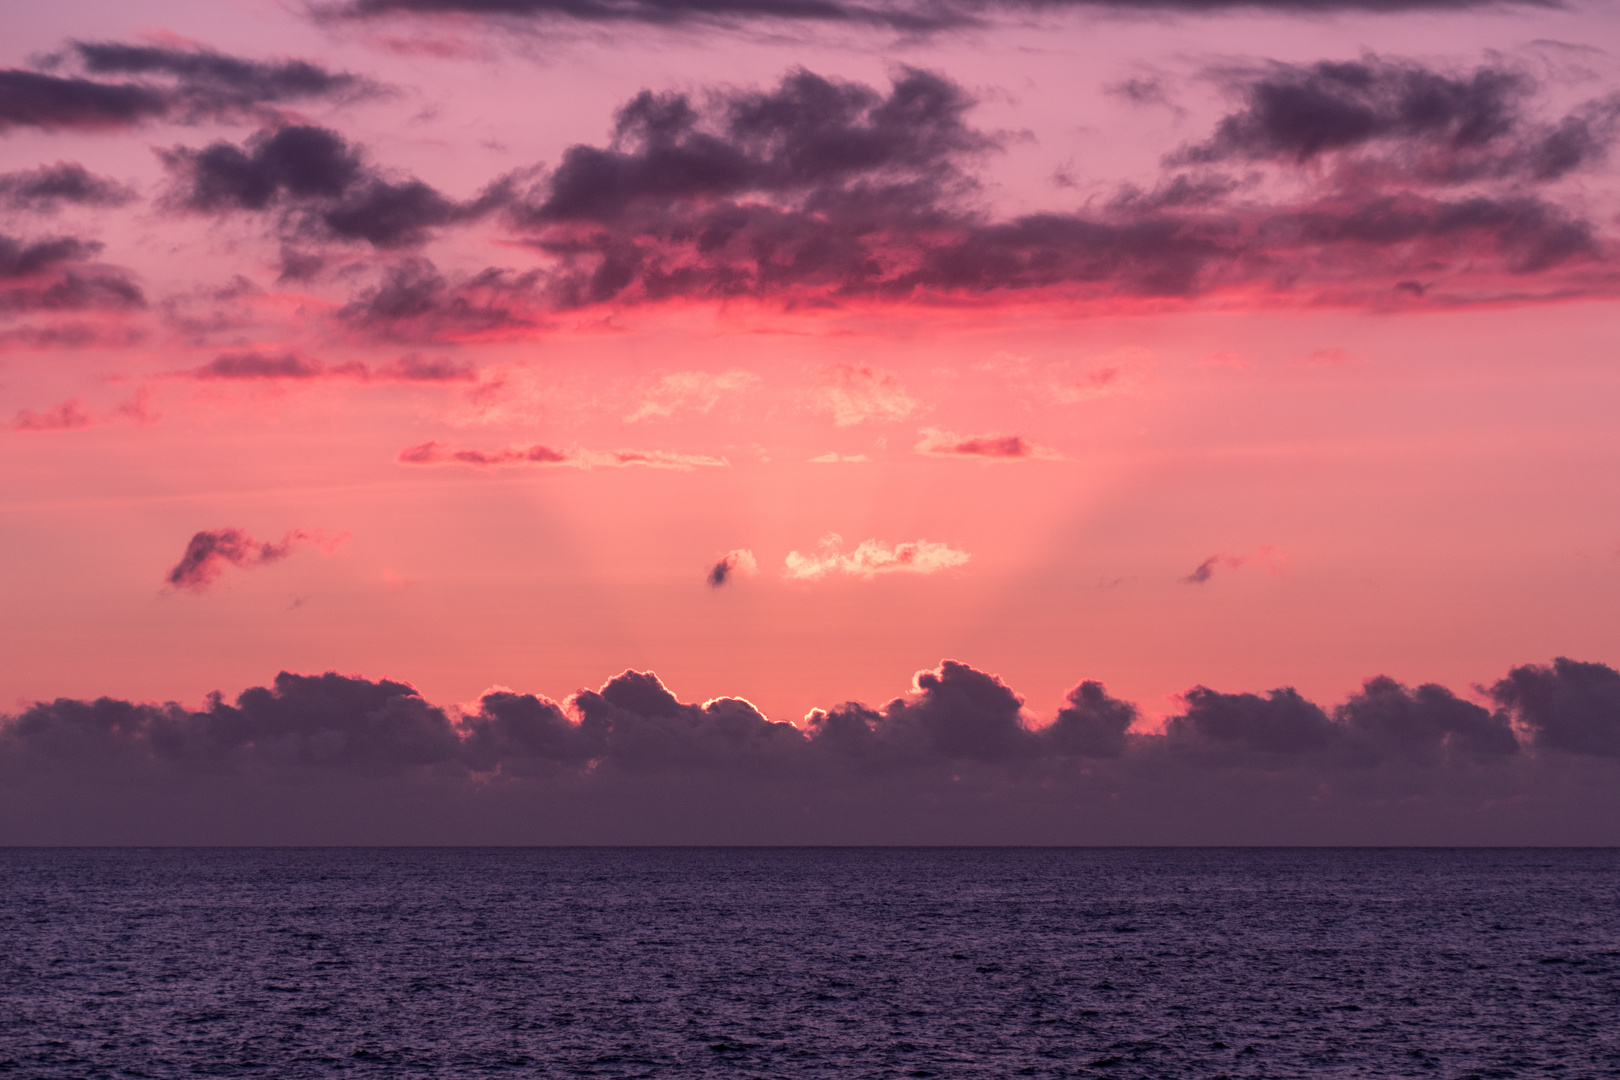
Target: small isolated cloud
<point>855,394</point>
<point>873,557</point>
<point>1122,371</point>
<point>396,581</point>
<point>436,453</point>
<point>937,443</point>
<point>691,391</point>
<point>212,550</point>
<point>739,562</point>
<point>833,457</point>
<point>1206,569</point>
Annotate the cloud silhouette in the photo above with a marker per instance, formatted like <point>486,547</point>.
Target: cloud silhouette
<point>735,563</point>
<point>185,85</point>
<point>958,756</point>
<point>211,551</point>
<point>321,186</point>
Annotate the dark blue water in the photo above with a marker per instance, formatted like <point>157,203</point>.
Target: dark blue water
<point>846,963</point>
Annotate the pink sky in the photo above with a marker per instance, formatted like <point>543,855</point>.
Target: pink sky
<point>1361,369</point>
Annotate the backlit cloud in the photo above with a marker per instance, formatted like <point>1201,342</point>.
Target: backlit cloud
<point>959,753</point>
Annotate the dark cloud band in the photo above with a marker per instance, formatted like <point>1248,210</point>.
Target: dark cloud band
<point>956,757</point>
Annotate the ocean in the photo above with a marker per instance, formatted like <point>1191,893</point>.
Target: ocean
<point>785,962</point>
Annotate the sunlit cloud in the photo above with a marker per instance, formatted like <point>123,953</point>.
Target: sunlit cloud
<point>853,394</point>
<point>691,392</point>
<point>873,557</point>
<point>436,453</point>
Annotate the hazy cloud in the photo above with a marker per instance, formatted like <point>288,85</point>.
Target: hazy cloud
<point>435,453</point>
<point>186,85</point>
<point>853,394</point>
<point>691,391</point>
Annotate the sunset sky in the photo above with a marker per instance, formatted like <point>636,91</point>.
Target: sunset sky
<point>785,349</point>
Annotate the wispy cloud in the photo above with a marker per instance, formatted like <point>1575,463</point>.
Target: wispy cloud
<point>1269,556</point>
<point>691,392</point>
<point>854,394</point>
<point>436,453</point>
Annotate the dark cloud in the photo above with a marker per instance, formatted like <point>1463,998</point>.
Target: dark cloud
<point>1391,722</point>
<point>415,303</point>
<point>807,134</point>
<point>32,99</point>
<point>319,184</point>
<point>1430,126</point>
<point>212,550</point>
<point>823,191</point>
<point>906,16</point>
<point>1282,722</point>
<point>208,83</point>
<point>192,85</point>
<point>1569,706</point>
<point>1091,723</point>
<point>50,186</point>
<point>730,565</point>
<point>57,274</point>
<point>953,760</point>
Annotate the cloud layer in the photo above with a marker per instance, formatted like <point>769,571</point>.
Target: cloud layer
<point>957,758</point>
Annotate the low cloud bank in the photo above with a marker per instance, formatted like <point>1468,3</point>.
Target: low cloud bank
<point>957,759</point>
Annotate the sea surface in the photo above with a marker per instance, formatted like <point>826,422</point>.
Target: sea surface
<point>809,962</point>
